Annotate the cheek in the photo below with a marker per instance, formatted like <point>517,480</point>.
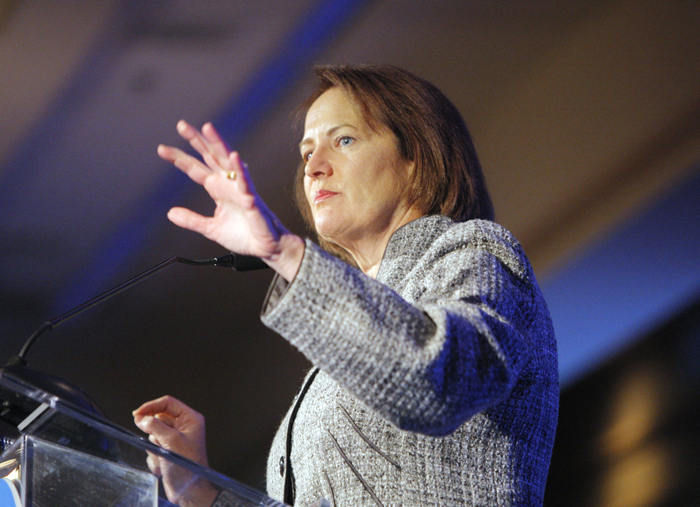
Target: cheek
<point>307,189</point>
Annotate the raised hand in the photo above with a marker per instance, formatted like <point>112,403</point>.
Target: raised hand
<point>241,222</point>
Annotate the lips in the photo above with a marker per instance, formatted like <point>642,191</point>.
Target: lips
<point>322,195</point>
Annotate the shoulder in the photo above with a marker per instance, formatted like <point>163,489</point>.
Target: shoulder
<point>480,238</point>
<point>438,246</point>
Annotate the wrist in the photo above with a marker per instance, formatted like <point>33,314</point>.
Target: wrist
<point>288,258</point>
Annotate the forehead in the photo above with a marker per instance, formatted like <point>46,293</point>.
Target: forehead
<point>333,107</point>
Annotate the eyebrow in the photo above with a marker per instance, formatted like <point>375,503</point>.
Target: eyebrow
<point>329,132</point>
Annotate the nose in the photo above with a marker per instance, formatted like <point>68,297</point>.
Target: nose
<point>319,164</point>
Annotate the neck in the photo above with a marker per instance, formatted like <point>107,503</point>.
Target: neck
<point>368,250</point>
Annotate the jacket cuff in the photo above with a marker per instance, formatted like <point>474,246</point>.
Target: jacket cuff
<point>279,286</point>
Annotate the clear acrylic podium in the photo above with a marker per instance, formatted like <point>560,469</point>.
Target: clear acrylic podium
<point>62,455</point>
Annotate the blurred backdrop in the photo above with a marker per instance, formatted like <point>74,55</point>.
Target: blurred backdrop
<point>586,116</point>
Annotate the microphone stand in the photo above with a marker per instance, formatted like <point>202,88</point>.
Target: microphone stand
<point>17,365</point>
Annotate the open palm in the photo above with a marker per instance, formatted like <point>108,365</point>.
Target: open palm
<point>241,222</point>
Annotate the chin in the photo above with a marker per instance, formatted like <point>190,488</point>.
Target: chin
<point>327,231</point>
<point>326,224</point>
<point>334,226</point>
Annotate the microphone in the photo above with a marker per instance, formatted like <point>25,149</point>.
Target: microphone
<point>235,261</point>
<point>241,262</point>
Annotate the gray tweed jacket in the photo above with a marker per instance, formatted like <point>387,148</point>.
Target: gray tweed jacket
<point>436,383</point>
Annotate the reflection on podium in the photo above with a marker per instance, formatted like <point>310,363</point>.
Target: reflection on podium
<point>51,474</point>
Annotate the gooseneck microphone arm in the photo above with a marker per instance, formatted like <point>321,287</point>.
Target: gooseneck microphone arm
<point>235,261</point>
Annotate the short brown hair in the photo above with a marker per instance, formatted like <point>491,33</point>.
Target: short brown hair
<point>447,177</point>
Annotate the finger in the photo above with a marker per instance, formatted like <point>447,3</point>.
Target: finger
<point>158,432</point>
<point>167,153</point>
<point>151,407</point>
<point>165,405</point>
<point>188,219</point>
<point>217,145</point>
<point>237,165</point>
<point>196,170</point>
<point>210,154</point>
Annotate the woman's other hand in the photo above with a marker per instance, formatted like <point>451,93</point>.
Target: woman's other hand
<point>241,222</point>
<point>176,427</point>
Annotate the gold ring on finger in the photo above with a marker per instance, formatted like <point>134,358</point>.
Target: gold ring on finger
<point>231,175</point>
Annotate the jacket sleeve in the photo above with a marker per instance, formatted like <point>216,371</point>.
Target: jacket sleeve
<point>453,346</point>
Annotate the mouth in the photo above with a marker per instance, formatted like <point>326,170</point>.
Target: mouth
<point>323,195</point>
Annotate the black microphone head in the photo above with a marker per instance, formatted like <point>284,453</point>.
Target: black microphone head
<point>248,263</point>
<point>239,262</point>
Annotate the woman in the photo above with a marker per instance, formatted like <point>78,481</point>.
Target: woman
<point>436,370</point>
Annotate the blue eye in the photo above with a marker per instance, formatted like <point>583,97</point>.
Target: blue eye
<point>307,156</point>
<point>345,141</point>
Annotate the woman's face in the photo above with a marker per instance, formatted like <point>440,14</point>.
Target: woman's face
<point>355,179</point>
